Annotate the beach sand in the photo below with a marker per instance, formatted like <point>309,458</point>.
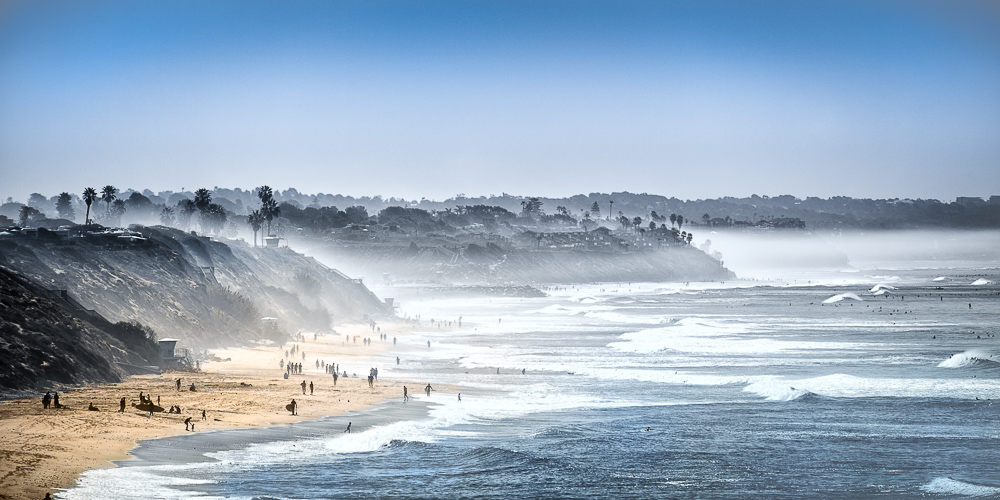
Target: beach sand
<point>45,450</point>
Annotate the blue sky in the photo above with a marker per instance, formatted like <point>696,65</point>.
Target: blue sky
<point>694,99</point>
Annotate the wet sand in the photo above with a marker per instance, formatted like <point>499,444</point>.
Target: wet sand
<point>45,450</point>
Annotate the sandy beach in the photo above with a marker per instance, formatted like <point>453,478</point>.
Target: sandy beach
<point>46,450</point>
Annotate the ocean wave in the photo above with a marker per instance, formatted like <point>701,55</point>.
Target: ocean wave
<point>949,486</point>
<point>970,358</point>
<point>981,281</point>
<point>776,390</point>
<point>842,296</point>
<point>703,336</point>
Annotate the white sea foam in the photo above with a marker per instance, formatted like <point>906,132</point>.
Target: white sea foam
<point>703,336</point>
<point>880,287</point>
<point>130,482</point>
<point>775,390</point>
<point>939,278</point>
<point>982,281</point>
<point>840,297</point>
<point>949,486</point>
<point>964,359</point>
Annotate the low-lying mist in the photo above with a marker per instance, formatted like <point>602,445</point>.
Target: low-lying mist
<point>753,255</point>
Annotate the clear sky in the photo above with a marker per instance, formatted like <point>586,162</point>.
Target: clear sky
<point>694,99</point>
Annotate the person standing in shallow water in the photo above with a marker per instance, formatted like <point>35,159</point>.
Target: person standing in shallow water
<point>406,397</point>
<point>428,390</point>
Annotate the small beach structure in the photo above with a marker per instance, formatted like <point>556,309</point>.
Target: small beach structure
<point>170,358</point>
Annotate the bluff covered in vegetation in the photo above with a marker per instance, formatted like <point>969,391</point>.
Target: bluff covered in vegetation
<point>207,293</point>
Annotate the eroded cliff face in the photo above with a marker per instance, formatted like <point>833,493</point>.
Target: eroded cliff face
<point>42,345</point>
<point>204,292</point>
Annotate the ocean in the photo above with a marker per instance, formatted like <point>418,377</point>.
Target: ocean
<point>866,384</point>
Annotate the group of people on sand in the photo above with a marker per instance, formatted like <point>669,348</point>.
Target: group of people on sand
<point>311,387</point>
<point>50,399</point>
<point>293,368</point>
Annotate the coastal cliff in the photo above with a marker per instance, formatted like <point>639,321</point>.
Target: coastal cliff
<point>206,293</point>
<point>490,264</point>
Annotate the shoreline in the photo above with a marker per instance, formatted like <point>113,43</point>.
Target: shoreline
<point>45,451</point>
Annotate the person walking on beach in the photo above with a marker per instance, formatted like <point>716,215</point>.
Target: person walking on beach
<point>46,400</point>
<point>204,416</point>
<point>121,406</point>
<point>55,400</point>
<point>428,390</point>
<point>334,379</point>
<point>187,423</point>
<point>303,387</point>
<point>292,407</point>
<point>405,396</point>
<point>348,431</point>
<point>178,384</point>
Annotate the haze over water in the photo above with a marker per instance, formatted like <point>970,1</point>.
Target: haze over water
<point>648,390</point>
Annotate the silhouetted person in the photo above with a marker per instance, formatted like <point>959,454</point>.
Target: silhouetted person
<point>397,360</point>
<point>178,384</point>
<point>55,400</point>
<point>303,384</point>
<point>46,400</point>
<point>121,406</point>
<point>292,407</point>
<point>310,388</point>
<point>91,407</point>
<point>192,388</point>
<point>187,424</point>
<point>405,396</point>
<point>460,397</point>
<point>204,416</point>
<point>428,389</point>
<point>348,431</point>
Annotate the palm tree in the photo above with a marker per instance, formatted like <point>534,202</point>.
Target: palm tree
<point>270,210</point>
<point>108,195</point>
<point>611,207</point>
<point>167,216</point>
<point>690,237</point>
<point>680,221</point>
<point>89,196</point>
<point>202,199</point>
<point>256,220</point>
<point>268,207</point>
<point>673,219</point>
